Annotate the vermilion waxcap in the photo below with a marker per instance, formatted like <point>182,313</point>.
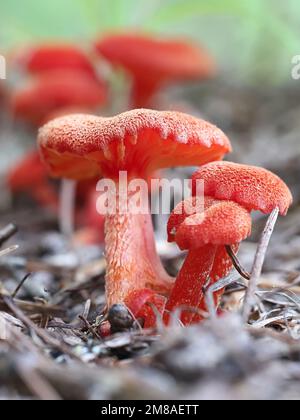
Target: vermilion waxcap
<point>57,89</point>
<point>30,176</point>
<point>224,223</point>
<point>185,209</point>
<point>43,58</point>
<point>155,62</point>
<point>220,223</point>
<point>27,173</point>
<point>204,234</point>
<point>252,187</point>
<point>139,141</point>
<point>165,59</point>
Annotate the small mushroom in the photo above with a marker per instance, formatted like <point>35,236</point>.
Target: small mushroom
<point>43,58</point>
<point>204,234</point>
<point>138,142</point>
<point>55,90</point>
<point>153,63</point>
<point>29,176</point>
<point>252,187</point>
<point>249,187</point>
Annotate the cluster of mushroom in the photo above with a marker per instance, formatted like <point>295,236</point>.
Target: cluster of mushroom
<point>231,193</point>
<point>153,63</point>
<point>61,79</point>
<point>65,78</point>
<point>140,142</point>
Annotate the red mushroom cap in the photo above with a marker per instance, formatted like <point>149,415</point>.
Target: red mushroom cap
<point>252,187</point>
<point>30,176</point>
<point>28,172</point>
<point>152,62</point>
<point>139,142</point>
<point>145,56</point>
<point>185,209</point>
<point>57,89</point>
<point>43,58</point>
<point>221,223</point>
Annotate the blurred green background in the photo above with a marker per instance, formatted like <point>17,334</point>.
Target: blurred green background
<point>254,40</point>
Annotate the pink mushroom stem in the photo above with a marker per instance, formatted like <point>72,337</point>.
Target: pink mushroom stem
<point>188,290</point>
<point>128,236</point>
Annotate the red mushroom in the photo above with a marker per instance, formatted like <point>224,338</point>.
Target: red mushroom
<point>29,176</point>
<point>153,63</point>
<point>54,90</point>
<point>40,59</point>
<point>250,188</point>
<point>146,305</point>
<point>204,234</point>
<point>138,142</point>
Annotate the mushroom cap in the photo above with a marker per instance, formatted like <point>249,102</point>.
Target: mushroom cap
<point>43,58</point>
<point>185,209</point>
<point>161,60</point>
<point>26,173</point>
<point>252,187</point>
<point>138,141</point>
<point>221,223</point>
<point>55,90</point>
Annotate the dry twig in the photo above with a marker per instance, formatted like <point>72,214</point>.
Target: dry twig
<point>258,263</point>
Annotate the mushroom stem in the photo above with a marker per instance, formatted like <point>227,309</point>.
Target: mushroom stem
<point>132,261</point>
<point>67,207</point>
<point>142,93</point>
<point>190,282</point>
<point>222,266</point>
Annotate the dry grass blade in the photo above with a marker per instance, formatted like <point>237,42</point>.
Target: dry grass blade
<point>236,263</point>
<point>258,263</point>
<point>7,232</point>
<point>20,285</point>
<point>276,319</point>
<point>209,295</point>
<point>34,308</point>
<point>9,250</point>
